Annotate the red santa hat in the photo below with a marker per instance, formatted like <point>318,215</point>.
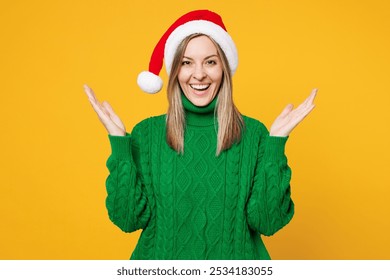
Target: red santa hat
<point>199,21</point>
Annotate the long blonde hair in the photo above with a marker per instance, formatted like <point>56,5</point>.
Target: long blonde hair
<point>230,122</point>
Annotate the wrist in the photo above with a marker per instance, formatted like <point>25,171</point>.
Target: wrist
<point>275,148</point>
<point>120,146</point>
<point>278,134</point>
<point>117,133</point>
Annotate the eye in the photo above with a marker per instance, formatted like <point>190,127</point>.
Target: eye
<point>185,62</point>
<point>211,62</point>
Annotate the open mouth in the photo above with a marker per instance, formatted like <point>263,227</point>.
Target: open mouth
<point>200,87</point>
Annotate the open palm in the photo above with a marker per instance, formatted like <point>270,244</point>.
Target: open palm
<point>106,114</point>
<point>289,118</point>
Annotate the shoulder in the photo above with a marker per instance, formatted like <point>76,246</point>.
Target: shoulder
<point>143,131</point>
<point>254,126</point>
<point>254,135</point>
<point>149,124</point>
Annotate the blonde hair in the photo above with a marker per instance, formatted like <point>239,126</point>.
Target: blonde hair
<point>230,122</point>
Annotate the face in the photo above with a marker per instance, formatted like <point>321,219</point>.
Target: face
<point>200,73</point>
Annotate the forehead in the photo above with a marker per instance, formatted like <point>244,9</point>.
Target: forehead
<point>200,46</point>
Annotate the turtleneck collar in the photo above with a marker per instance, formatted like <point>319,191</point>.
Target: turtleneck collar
<point>199,116</point>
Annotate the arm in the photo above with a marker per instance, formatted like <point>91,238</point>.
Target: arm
<point>270,206</point>
<point>126,197</point>
<point>126,200</point>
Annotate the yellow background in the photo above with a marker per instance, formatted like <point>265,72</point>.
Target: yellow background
<point>54,148</point>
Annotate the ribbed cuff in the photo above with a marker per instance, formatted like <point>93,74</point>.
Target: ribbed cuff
<point>274,149</point>
<point>121,146</point>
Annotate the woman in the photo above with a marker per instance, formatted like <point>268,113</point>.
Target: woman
<point>202,181</point>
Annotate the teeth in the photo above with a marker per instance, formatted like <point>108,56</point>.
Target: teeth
<point>200,87</point>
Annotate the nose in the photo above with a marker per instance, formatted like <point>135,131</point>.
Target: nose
<point>199,72</point>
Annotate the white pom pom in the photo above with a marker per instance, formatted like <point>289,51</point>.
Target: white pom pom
<point>149,82</point>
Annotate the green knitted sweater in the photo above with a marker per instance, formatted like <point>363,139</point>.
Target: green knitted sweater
<point>197,205</point>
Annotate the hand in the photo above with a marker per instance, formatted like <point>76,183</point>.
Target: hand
<point>106,114</point>
<point>289,118</point>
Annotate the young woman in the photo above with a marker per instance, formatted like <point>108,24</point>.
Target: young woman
<point>202,181</point>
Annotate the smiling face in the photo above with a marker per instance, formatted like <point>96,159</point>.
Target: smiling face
<point>200,73</point>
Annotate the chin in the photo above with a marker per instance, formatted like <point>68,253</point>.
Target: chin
<point>200,102</point>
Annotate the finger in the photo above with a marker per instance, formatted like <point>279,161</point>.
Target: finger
<point>105,119</point>
<point>95,104</point>
<point>310,109</point>
<point>296,119</point>
<point>107,110</point>
<point>93,100</point>
<point>304,103</point>
<point>108,107</point>
<point>92,97</point>
<point>90,93</point>
<point>286,110</point>
<point>303,113</point>
<point>104,109</point>
<point>308,101</point>
<point>113,115</point>
<point>312,96</point>
<point>102,114</point>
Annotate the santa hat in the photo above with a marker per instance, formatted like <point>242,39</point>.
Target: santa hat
<point>199,21</point>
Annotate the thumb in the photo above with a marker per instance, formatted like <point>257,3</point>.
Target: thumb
<point>286,110</point>
<point>107,107</point>
<point>112,115</point>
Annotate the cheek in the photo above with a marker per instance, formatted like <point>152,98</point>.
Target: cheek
<point>216,75</point>
<point>217,78</point>
<point>183,76</point>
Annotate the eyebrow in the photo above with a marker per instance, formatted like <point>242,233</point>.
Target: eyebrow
<point>207,57</point>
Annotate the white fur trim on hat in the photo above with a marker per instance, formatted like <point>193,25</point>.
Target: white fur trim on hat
<point>204,27</point>
<point>149,82</point>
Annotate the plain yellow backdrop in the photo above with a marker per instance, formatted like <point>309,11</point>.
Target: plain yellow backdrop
<point>53,148</point>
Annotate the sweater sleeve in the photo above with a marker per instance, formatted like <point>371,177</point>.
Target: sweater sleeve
<point>270,206</point>
<point>126,201</point>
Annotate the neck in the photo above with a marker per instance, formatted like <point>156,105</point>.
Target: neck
<point>199,116</point>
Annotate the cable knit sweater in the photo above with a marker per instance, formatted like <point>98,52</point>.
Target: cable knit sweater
<point>197,205</point>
